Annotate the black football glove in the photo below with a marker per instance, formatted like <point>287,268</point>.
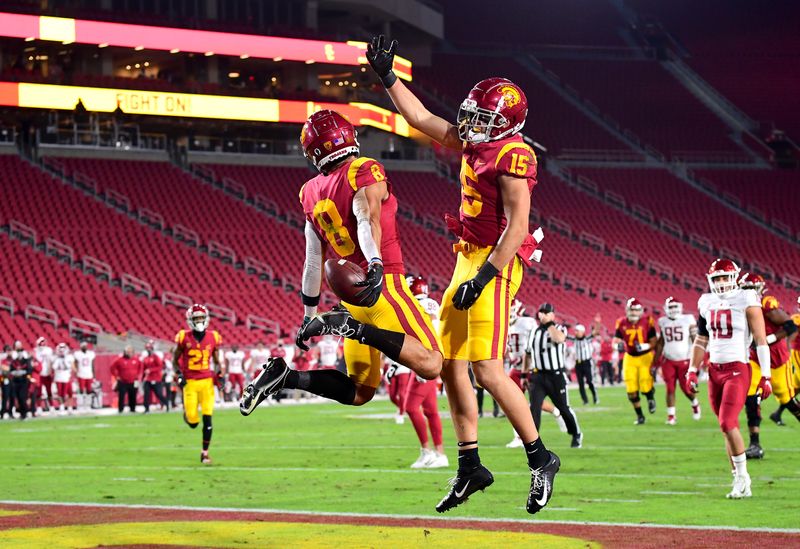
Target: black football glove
<point>468,293</point>
<point>181,381</point>
<point>299,340</point>
<point>382,60</point>
<point>391,370</point>
<point>373,285</point>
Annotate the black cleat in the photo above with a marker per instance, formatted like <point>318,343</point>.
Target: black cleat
<point>464,485</point>
<point>776,417</point>
<point>577,441</point>
<point>333,322</point>
<point>651,406</point>
<point>268,382</point>
<point>639,420</point>
<point>542,484</point>
<point>754,452</point>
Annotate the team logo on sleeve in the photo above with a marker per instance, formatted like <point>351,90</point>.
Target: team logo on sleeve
<point>510,95</point>
<point>328,145</point>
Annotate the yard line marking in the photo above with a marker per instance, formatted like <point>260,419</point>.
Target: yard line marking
<point>133,479</point>
<point>400,516</point>
<point>609,500</point>
<point>669,493</point>
<point>361,470</point>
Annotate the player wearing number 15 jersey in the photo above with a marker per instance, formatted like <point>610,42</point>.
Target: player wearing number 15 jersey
<point>498,173</point>
<point>730,318</point>
<point>194,350</point>
<point>637,332</point>
<point>673,349</point>
<point>350,208</point>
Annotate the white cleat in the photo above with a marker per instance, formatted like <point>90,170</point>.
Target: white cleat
<point>438,461</point>
<point>425,456</point>
<point>671,420</point>
<point>399,419</point>
<point>516,442</point>
<point>740,488</point>
<point>696,413</point>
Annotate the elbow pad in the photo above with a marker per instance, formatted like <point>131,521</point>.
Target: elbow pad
<point>762,351</point>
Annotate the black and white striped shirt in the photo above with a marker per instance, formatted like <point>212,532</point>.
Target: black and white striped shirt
<point>583,349</point>
<point>547,355</point>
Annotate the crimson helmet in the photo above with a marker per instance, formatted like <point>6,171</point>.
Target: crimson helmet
<point>723,276</point>
<point>326,137</point>
<point>673,308</point>
<point>494,108</point>
<point>197,317</point>
<point>418,286</point>
<point>633,310</point>
<point>517,309</point>
<point>750,281</point>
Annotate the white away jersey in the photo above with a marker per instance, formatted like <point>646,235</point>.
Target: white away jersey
<point>518,334</point>
<point>235,361</point>
<point>84,360</point>
<point>44,356</point>
<point>726,321</point>
<point>62,368</point>
<point>430,306</point>
<point>258,358</point>
<point>675,334</point>
<point>328,349</point>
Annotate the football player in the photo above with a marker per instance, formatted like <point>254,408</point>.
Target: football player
<point>328,350</point>
<point>234,369</point>
<point>673,349</point>
<point>63,368</point>
<point>258,357</point>
<point>637,332</point>
<point>498,173</point>
<point>779,326</point>
<point>730,318</point>
<point>420,397</point>
<point>43,354</point>
<point>85,361</point>
<point>350,208</point>
<point>192,357</point>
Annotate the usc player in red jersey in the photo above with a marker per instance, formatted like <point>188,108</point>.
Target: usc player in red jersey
<point>498,173</point>
<point>350,208</point>
<point>637,332</point>
<point>779,326</point>
<point>194,350</point>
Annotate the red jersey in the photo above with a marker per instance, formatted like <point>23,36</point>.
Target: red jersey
<point>153,367</point>
<point>127,369</point>
<point>606,350</point>
<point>195,357</point>
<point>481,215</point>
<point>300,362</point>
<point>327,202</point>
<point>277,352</point>
<point>632,333</point>
<point>778,351</point>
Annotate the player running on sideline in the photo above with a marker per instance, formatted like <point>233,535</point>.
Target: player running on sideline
<point>350,207</point>
<point>498,173</point>
<point>730,318</point>
<point>673,350</point>
<point>637,332</point>
<point>191,359</point>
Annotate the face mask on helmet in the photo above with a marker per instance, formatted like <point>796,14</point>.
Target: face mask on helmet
<point>634,313</point>
<point>723,284</point>
<point>674,310</point>
<point>475,124</point>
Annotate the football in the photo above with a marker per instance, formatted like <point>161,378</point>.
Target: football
<point>342,275</point>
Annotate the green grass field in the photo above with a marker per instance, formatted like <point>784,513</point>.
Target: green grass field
<point>333,458</point>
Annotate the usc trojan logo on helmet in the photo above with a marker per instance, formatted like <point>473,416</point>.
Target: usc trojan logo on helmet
<point>510,95</point>
<point>303,134</point>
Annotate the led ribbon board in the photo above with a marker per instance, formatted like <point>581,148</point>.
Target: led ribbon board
<point>220,107</point>
<point>102,33</point>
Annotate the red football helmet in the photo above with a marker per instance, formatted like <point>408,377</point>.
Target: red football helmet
<point>418,286</point>
<point>517,310</point>
<point>750,281</point>
<point>494,108</point>
<point>326,137</point>
<point>633,310</point>
<point>673,308</point>
<point>197,317</point>
<point>723,277</point>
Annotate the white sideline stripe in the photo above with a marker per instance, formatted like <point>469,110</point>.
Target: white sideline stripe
<point>669,493</point>
<point>443,471</point>
<point>407,517</point>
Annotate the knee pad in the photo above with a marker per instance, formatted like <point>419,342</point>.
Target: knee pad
<point>753,411</point>
<point>634,397</point>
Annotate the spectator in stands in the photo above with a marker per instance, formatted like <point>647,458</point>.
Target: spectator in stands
<point>152,372</point>
<point>126,371</point>
<point>19,372</point>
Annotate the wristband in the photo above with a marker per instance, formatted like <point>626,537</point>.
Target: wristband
<point>486,274</point>
<point>771,338</point>
<point>308,300</point>
<point>692,370</point>
<point>388,79</point>
<point>375,260</point>
<point>644,346</point>
<point>762,351</point>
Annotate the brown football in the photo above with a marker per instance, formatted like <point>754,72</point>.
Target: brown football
<point>341,276</point>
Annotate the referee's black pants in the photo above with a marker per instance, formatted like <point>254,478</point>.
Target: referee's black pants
<point>553,385</point>
<point>583,371</point>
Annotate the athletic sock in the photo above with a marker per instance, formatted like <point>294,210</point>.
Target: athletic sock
<point>651,394</point>
<point>556,412</point>
<point>671,411</point>
<point>740,464</point>
<point>538,456</point>
<point>780,410</point>
<point>331,384</point>
<point>208,430</point>
<point>755,439</point>
<point>639,412</point>
<point>386,341</point>
<point>695,403</point>
<point>793,408</point>
<point>468,459</point>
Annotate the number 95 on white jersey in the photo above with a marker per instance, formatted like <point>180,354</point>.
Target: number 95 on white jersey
<point>675,334</point>
<point>726,321</point>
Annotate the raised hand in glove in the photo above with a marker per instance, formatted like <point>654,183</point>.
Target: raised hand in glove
<point>373,285</point>
<point>468,293</point>
<point>298,340</point>
<point>382,60</point>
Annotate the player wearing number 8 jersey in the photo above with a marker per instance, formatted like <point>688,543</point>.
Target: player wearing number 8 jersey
<point>350,208</point>
<point>498,173</point>
<point>194,350</point>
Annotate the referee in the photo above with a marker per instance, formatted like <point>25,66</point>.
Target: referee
<point>584,348</point>
<point>547,376</point>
